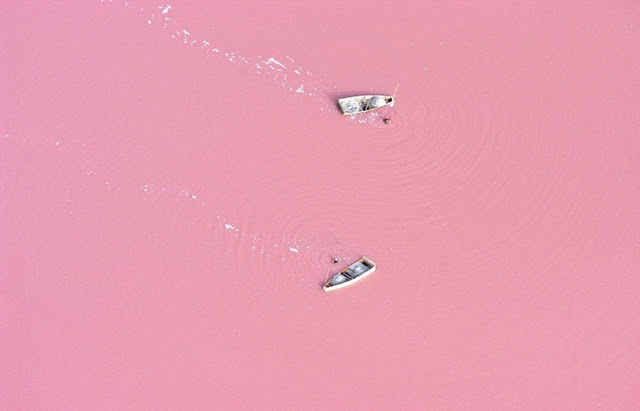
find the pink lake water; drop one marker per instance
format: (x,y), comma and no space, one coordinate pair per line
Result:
(175,179)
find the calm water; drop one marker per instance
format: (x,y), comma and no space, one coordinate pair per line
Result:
(175,180)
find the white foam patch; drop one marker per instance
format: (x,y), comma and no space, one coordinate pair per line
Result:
(274,61)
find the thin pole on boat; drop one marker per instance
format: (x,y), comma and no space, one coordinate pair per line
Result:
(326,278)
(333,259)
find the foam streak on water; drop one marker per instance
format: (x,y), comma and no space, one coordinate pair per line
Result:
(293,78)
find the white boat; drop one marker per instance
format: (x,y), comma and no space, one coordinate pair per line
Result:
(351,275)
(364,104)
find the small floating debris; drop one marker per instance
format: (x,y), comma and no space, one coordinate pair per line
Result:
(350,275)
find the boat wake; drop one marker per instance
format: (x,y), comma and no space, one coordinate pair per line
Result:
(282,71)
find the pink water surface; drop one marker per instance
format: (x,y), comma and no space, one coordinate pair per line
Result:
(174,182)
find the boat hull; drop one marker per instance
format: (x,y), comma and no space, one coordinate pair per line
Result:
(371,267)
(364,104)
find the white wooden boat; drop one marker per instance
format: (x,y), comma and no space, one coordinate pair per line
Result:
(364,104)
(351,275)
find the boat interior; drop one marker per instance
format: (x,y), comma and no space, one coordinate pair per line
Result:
(353,271)
(356,270)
